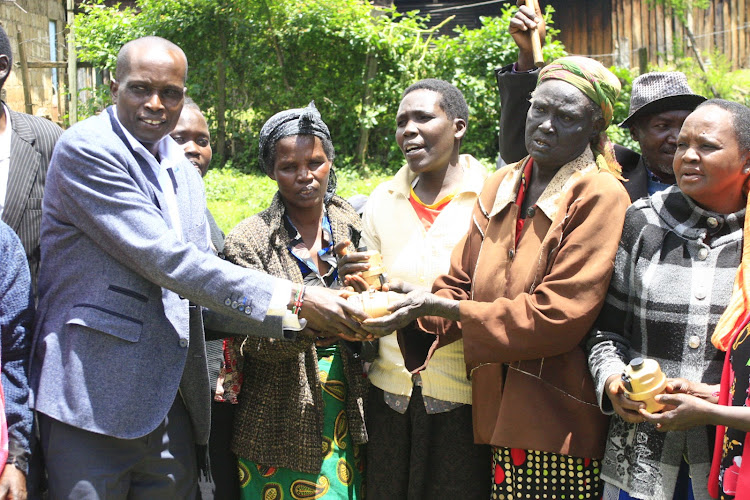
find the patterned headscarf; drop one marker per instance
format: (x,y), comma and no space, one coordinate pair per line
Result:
(598,84)
(298,121)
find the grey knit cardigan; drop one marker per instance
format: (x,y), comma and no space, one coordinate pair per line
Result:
(279,421)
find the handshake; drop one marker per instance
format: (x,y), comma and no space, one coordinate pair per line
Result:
(370,306)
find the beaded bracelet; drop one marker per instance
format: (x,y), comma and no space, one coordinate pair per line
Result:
(298,298)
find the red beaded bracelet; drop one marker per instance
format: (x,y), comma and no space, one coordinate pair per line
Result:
(298,298)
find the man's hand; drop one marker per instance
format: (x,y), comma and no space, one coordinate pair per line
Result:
(351,265)
(328,312)
(686,412)
(520,28)
(12,484)
(627,409)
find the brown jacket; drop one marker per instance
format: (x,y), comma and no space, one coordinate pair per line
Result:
(525,311)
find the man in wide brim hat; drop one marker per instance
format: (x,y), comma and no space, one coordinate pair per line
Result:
(659,103)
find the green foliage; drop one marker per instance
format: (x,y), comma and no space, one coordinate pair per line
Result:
(283,53)
(616,134)
(680,8)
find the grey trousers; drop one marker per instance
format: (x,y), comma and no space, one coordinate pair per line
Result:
(83,465)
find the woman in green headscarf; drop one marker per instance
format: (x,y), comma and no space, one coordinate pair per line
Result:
(525,286)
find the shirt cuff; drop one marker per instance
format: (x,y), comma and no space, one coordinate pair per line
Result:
(278,307)
(514,70)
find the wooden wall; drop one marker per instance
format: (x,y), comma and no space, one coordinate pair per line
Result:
(724,26)
(34,24)
(612,31)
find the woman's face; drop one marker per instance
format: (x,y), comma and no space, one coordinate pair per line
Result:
(425,134)
(709,165)
(300,170)
(559,124)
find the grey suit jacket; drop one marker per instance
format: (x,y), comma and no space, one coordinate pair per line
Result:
(117,333)
(31,145)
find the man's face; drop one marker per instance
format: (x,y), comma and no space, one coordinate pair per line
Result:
(149,97)
(657,134)
(192,134)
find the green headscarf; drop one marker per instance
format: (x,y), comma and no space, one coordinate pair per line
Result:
(598,84)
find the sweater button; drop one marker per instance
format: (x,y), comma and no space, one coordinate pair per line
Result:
(694,341)
(712,222)
(703,253)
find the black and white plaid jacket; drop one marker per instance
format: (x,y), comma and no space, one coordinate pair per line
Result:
(673,277)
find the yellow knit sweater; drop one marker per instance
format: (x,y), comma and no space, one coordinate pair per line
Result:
(391,226)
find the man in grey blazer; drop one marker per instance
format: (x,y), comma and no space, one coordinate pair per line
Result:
(25,150)
(118,368)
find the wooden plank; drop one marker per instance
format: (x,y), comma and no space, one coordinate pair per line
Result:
(659,25)
(734,35)
(726,26)
(744,33)
(47,64)
(637,34)
(627,17)
(647,31)
(25,79)
(668,40)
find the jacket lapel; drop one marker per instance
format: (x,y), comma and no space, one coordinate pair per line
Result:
(23,168)
(179,178)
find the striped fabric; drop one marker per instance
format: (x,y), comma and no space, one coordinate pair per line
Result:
(673,277)
(31,146)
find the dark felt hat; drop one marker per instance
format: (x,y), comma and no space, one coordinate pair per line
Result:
(658,92)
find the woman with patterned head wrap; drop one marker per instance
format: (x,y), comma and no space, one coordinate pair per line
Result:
(524,288)
(297,396)
(679,253)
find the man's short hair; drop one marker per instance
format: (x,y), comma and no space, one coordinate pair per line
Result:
(740,119)
(189,103)
(5,51)
(154,42)
(451,101)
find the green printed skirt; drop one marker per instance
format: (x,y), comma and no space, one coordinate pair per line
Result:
(343,464)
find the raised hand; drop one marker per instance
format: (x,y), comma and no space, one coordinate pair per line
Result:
(520,28)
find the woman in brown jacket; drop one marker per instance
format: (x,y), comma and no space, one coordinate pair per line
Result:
(525,286)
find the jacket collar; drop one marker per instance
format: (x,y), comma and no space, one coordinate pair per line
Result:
(473,179)
(689,221)
(549,201)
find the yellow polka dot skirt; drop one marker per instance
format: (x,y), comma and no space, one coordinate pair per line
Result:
(526,474)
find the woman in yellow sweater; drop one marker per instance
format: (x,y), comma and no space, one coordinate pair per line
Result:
(420,433)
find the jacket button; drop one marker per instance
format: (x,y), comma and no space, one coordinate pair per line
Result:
(530,212)
(712,222)
(183,342)
(700,293)
(694,341)
(235,304)
(511,254)
(703,253)
(227,302)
